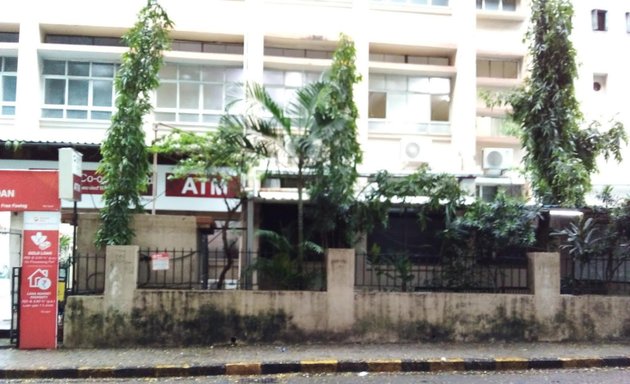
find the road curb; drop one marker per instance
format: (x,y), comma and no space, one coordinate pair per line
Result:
(318,366)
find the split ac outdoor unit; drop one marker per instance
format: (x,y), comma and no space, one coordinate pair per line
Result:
(415,151)
(497,158)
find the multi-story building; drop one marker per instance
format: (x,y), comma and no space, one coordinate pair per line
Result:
(425,64)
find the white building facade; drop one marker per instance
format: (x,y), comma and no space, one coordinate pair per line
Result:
(425,66)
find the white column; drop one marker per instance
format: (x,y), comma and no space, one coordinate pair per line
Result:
(463,106)
(362,45)
(254,44)
(28,99)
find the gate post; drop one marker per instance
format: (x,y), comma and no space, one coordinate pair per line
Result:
(121,277)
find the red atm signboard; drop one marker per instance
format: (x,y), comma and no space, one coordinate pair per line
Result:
(38,290)
(27,190)
(193,187)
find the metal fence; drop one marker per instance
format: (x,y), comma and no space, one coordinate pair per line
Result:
(597,276)
(399,272)
(88,274)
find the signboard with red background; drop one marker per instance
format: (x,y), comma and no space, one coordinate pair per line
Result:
(38,285)
(22,190)
(193,187)
(38,191)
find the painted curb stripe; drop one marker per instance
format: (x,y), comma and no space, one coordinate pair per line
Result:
(243,369)
(393,365)
(480,365)
(545,363)
(616,361)
(270,368)
(352,366)
(415,365)
(319,366)
(581,362)
(207,370)
(446,365)
(510,363)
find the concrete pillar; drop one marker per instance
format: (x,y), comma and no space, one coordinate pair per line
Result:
(340,289)
(544,282)
(121,277)
(464,103)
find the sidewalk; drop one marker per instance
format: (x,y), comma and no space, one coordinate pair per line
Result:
(315,358)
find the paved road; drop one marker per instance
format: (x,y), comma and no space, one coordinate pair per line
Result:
(572,376)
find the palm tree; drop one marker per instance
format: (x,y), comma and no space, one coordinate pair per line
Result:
(297,132)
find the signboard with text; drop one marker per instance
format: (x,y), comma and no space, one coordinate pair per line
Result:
(27,190)
(92,184)
(193,187)
(38,290)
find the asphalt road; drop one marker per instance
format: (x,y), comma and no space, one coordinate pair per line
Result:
(564,376)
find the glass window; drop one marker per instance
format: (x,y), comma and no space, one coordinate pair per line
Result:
(78,90)
(196,93)
(8,88)
(409,99)
(497,5)
(443,3)
(282,85)
(628,22)
(598,19)
(498,68)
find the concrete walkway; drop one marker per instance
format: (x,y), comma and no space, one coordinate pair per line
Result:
(312,358)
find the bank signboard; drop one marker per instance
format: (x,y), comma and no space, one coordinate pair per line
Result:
(28,190)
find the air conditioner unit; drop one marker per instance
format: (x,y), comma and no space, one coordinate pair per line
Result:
(415,151)
(497,158)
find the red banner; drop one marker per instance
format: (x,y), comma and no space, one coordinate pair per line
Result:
(28,190)
(92,184)
(38,291)
(192,187)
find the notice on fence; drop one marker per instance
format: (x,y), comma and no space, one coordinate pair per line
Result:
(160,261)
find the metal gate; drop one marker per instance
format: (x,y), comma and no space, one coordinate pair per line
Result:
(15,305)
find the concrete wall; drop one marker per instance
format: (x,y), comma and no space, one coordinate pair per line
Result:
(209,317)
(161,231)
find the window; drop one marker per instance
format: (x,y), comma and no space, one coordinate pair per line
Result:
(598,19)
(628,22)
(196,93)
(307,53)
(8,77)
(497,5)
(78,90)
(413,99)
(441,3)
(495,126)
(498,68)
(282,85)
(84,40)
(409,59)
(9,37)
(210,47)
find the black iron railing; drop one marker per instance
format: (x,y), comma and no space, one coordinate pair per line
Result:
(404,273)
(88,274)
(596,276)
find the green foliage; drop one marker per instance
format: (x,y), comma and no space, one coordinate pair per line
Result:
(441,191)
(498,228)
(582,240)
(560,157)
(125,166)
(335,168)
(284,270)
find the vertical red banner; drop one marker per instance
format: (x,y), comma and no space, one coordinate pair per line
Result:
(38,291)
